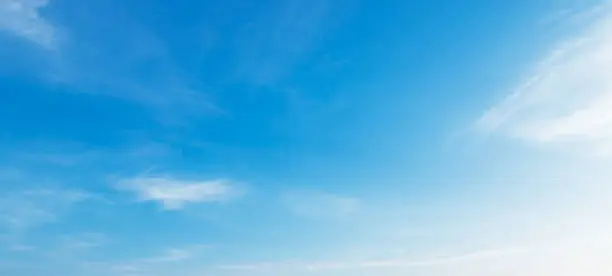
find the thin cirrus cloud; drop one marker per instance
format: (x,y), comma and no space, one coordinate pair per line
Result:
(280,38)
(163,263)
(320,205)
(92,65)
(581,259)
(82,241)
(400,262)
(22,210)
(22,18)
(568,99)
(175,194)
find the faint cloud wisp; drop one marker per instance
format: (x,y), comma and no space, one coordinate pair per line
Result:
(320,205)
(175,194)
(568,99)
(25,209)
(22,18)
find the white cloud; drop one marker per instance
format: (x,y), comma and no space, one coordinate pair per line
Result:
(320,205)
(22,18)
(174,193)
(583,259)
(568,99)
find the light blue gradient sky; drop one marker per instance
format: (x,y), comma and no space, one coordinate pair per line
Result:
(305,138)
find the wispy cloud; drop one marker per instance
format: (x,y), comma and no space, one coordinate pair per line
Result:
(378,263)
(173,193)
(73,154)
(531,261)
(127,62)
(82,241)
(25,209)
(176,254)
(568,99)
(162,263)
(22,18)
(279,38)
(320,205)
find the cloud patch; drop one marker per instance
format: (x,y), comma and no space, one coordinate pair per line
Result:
(22,18)
(567,100)
(174,194)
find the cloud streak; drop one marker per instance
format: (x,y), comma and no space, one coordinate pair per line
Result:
(163,263)
(128,61)
(26,209)
(568,99)
(82,241)
(583,259)
(380,264)
(21,212)
(281,37)
(175,194)
(22,18)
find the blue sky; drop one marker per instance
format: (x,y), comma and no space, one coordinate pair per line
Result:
(305,137)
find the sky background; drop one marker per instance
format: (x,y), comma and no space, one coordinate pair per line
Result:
(305,138)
